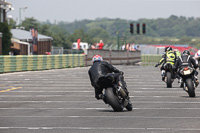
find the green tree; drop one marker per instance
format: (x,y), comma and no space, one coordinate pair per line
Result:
(29,23)
(60,36)
(44,29)
(99,34)
(12,23)
(6,38)
(80,34)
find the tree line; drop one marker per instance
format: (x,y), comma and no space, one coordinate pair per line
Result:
(172,30)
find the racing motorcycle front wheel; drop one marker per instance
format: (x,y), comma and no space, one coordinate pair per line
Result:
(169,80)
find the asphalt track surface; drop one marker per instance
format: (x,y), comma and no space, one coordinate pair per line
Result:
(62,101)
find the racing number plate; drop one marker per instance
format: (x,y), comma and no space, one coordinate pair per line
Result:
(186,72)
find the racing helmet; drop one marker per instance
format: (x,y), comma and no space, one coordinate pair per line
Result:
(168,49)
(198,53)
(186,52)
(97,58)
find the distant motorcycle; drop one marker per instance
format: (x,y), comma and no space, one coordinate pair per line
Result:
(116,96)
(169,74)
(188,84)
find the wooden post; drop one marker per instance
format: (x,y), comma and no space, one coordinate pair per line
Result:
(85,60)
(127,56)
(110,54)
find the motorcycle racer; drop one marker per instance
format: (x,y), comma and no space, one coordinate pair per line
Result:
(197,57)
(167,57)
(101,69)
(186,59)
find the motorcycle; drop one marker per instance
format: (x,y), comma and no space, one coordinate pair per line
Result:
(188,84)
(169,74)
(116,95)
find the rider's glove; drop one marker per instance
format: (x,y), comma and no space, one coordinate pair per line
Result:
(156,65)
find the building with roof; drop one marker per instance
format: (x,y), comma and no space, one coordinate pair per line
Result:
(22,41)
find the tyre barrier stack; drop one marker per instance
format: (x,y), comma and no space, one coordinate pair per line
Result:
(40,62)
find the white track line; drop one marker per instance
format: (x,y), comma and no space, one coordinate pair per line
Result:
(137,117)
(91,96)
(95,101)
(104,128)
(157,92)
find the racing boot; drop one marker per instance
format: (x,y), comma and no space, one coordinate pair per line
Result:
(99,96)
(104,99)
(185,88)
(196,81)
(163,75)
(180,81)
(129,105)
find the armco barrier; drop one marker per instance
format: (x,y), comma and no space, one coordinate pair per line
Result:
(40,62)
(150,59)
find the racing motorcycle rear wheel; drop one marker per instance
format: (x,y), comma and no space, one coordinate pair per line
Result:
(113,100)
(190,86)
(169,80)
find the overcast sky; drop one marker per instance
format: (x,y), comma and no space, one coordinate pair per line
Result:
(70,10)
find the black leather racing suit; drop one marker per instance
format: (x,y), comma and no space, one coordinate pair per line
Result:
(98,71)
(185,60)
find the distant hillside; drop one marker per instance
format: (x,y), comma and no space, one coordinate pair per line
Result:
(173,26)
(116,32)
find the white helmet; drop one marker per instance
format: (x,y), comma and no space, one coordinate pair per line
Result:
(197,55)
(97,58)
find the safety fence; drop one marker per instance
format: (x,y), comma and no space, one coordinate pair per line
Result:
(150,59)
(44,62)
(40,62)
